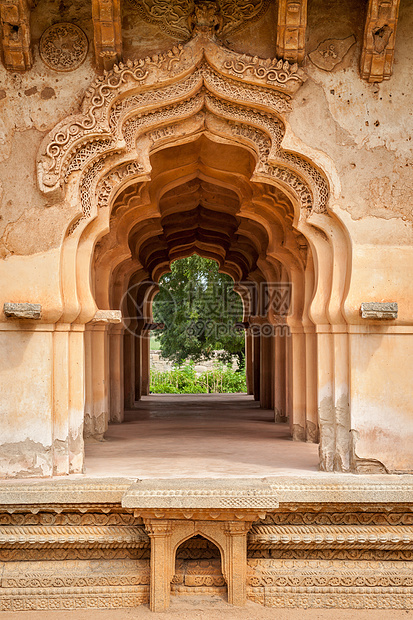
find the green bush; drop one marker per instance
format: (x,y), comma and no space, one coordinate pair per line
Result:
(184,380)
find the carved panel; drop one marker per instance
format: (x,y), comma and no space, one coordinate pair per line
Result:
(317,583)
(107,32)
(376,62)
(74,585)
(291,29)
(332,536)
(177,18)
(63,47)
(15,33)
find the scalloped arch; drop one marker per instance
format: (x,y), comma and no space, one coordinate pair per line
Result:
(140,107)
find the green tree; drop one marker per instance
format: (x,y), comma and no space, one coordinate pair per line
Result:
(199,308)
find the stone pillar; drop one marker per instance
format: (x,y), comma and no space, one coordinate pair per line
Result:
(311,425)
(266,367)
(288,378)
(61,398)
(342,402)
(325,394)
(129,368)
(280,375)
(256,363)
(76,398)
(236,561)
(298,385)
(116,374)
(146,345)
(249,366)
(138,366)
(160,531)
(41,399)
(97,382)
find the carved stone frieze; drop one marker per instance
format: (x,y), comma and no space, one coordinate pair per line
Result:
(319,583)
(52,536)
(107,25)
(291,29)
(15,34)
(332,554)
(204,494)
(312,555)
(376,62)
(335,517)
(63,47)
(179,18)
(74,585)
(94,600)
(332,536)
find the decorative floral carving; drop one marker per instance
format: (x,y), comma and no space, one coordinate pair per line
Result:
(114,178)
(176,18)
(63,47)
(341,518)
(380,537)
(117,111)
(273,71)
(103,104)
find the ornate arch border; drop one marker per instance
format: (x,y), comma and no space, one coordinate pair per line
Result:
(131,111)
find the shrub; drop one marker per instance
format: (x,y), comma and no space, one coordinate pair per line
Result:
(184,380)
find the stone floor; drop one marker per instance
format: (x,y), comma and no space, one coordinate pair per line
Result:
(206,608)
(203,435)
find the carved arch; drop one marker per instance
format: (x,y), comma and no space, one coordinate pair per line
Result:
(128,110)
(101,160)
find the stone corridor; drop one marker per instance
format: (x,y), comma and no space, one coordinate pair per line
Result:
(202,435)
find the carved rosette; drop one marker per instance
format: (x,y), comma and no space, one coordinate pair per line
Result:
(63,47)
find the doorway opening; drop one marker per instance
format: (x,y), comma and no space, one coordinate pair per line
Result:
(198,338)
(198,569)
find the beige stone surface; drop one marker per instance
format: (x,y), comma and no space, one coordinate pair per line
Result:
(207,608)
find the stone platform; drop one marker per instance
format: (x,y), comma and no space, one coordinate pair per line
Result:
(324,540)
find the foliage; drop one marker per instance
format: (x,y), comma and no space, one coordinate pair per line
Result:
(184,380)
(199,308)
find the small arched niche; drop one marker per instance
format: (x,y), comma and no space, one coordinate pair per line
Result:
(198,569)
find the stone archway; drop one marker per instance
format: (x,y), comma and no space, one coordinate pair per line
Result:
(110,163)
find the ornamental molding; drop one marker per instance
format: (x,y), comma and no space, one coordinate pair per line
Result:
(36,537)
(332,536)
(138,107)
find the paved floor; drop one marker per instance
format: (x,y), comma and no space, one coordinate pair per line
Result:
(203,608)
(199,436)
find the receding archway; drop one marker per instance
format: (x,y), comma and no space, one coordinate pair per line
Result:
(163,166)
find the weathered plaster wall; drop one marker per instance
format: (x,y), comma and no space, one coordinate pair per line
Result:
(367,129)
(26,370)
(381,407)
